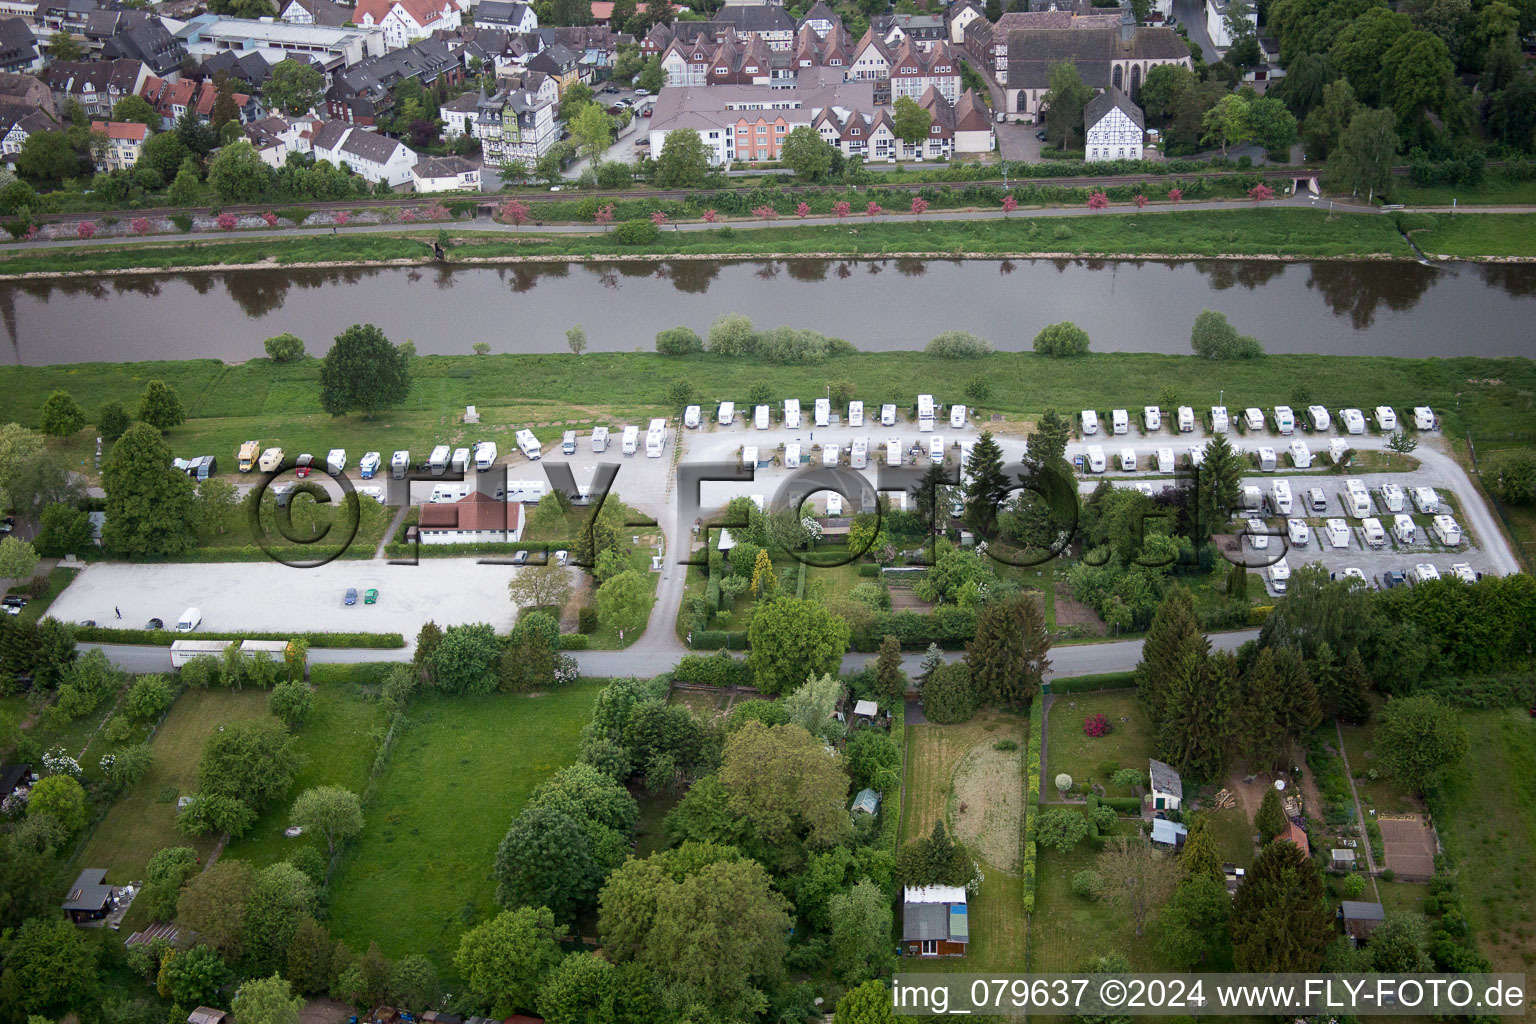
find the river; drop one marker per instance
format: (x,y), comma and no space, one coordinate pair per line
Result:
(1352,308)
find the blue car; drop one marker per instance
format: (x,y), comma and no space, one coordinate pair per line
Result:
(351,597)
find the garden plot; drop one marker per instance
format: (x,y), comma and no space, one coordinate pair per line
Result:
(985,804)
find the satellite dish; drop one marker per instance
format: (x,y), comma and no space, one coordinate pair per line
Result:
(1280,785)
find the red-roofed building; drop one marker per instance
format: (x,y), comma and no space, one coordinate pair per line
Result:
(406,21)
(1296,834)
(173,99)
(125,140)
(474,519)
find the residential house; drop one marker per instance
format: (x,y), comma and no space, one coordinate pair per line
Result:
(935,921)
(250,68)
(90,898)
(364,93)
(1360,919)
(868,134)
(515,124)
(507,15)
(207,1015)
(275,137)
(64,16)
(1105,58)
(871,59)
(988,41)
(18,47)
(15,779)
(1113,127)
(770,21)
(173,99)
(125,140)
(1295,833)
(958,16)
(1169,833)
(973,125)
(316,12)
(474,519)
(95,85)
(26,10)
(925,31)
(369,154)
(657,40)
(329,46)
(20,95)
(406,21)
(135,35)
(914,71)
(1216,27)
(559,62)
(445,174)
(17,130)
(1167,788)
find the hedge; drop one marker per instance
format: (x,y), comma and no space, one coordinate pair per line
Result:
(1087,684)
(720,639)
(1032,797)
(890,800)
(408,550)
(1258,613)
(1095,837)
(869,569)
(718,669)
(1128,805)
(166,637)
(362,673)
(948,626)
(1482,692)
(575,642)
(712,595)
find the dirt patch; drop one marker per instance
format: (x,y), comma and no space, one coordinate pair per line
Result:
(985,805)
(904,600)
(325,1011)
(1409,842)
(1070,612)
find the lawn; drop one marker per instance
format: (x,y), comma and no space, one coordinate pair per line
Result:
(1476,234)
(1380,794)
(1233,834)
(1069,749)
(1494,192)
(420,874)
(58,579)
(933,754)
(143,820)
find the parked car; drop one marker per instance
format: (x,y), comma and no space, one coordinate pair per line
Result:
(642,143)
(1393,578)
(14,603)
(302,467)
(520,558)
(350,597)
(371,595)
(642,92)
(648,111)
(562,557)
(7,525)
(155,624)
(1040,135)
(86,622)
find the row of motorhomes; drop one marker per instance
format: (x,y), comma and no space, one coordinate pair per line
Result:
(1283,418)
(1279,575)
(857,453)
(821,412)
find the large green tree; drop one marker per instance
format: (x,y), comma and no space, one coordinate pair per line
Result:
(624,601)
(61,415)
(791,639)
(1418,738)
(252,762)
(505,960)
(861,933)
(1280,921)
(213,904)
(60,797)
(1008,656)
(238,175)
(1367,148)
(160,406)
(987,487)
(683,161)
(332,812)
(1064,106)
(588,989)
(281,897)
(780,782)
(267,1001)
(910,121)
(293,87)
(150,506)
(363,372)
(806,153)
(49,968)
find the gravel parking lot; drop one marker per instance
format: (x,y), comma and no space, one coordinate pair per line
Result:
(267,597)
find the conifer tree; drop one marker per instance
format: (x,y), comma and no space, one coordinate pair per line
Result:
(1270,819)
(1195,730)
(988,487)
(765,582)
(1261,727)
(1354,690)
(1220,481)
(1007,657)
(1174,631)
(890,680)
(1279,920)
(1199,855)
(1327,678)
(933,657)
(1300,710)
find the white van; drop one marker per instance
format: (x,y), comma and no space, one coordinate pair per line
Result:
(1253,418)
(1301,455)
(369,465)
(925,413)
(792,413)
(599,439)
(486,453)
(858,455)
(1446,530)
(726,413)
(1090,422)
(1165,462)
(1338,533)
(568,442)
(829,455)
(1127,460)
(1317,501)
(1424,419)
(936,449)
(631,440)
(1119,421)
(957,417)
(1258,534)
(893,452)
(1280,494)
(888,414)
(855,414)
(1152,417)
(1285,420)
(528,444)
(691,417)
(1318,414)
(437,462)
(1386,419)
(1253,501)
(1356,498)
(1267,460)
(1423,573)
(1375,536)
(792,453)
(400,464)
(460,461)
(336,460)
(1404,530)
(189,621)
(761,417)
(1219,419)
(1392,497)
(1279,576)
(1299,532)
(1095,459)
(1186,419)
(1426,500)
(1354,421)
(823,412)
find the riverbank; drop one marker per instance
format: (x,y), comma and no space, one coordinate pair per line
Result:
(1291,233)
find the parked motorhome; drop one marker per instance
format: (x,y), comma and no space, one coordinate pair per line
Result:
(1280,494)
(726,413)
(1196,456)
(599,439)
(1285,420)
(1338,448)
(823,412)
(368,465)
(855,414)
(1128,460)
(1317,501)
(527,492)
(1267,460)
(528,444)
(1095,459)
(1463,572)
(1119,421)
(658,423)
(792,414)
(936,449)
(924,413)
(749,455)
(829,455)
(1371,529)
(1423,417)
(336,461)
(1090,422)
(1338,533)
(1253,418)
(1426,500)
(271,460)
(400,464)
(1152,418)
(630,440)
(1219,419)
(691,417)
(249,451)
(1392,497)
(1279,576)
(893,452)
(655,441)
(1318,414)
(1301,455)
(1354,421)
(1253,501)
(1446,530)
(1356,498)
(858,455)
(1423,573)
(437,462)
(1186,419)
(1386,419)
(888,414)
(1165,460)
(1298,531)
(792,454)
(460,460)
(1404,529)
(1258,534)
(957,417)
(834,503)
(486,453)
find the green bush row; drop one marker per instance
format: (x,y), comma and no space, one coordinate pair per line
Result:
(1122,804)
(408,550)
(718,669)
(720,639)
(166,637)
(1032,797)
(868,569)
(575,642)
(1087,684)
(890,800)
(362,673)
(1516,690)
(1095,837)
(948,626)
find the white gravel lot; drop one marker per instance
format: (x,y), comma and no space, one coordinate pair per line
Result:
(266,596)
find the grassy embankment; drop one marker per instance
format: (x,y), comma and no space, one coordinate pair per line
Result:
(1497,192)
(1294,233)
(1474,235)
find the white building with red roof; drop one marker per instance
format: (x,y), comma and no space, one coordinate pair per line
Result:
(406,21)
(125,140)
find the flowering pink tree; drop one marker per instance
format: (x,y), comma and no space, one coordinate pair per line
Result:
(1175,195)
(604,214)
(1141,200)
(1097,724)
(31,232)
(85,229)
(802,209)
(765,212)
(437,211)
(659,218)
(342,218)
(227,221)
(1261,193)
(1097,200)
(270,218)
(140,225)
(873,209)
(1010,204)
(408,216)
(710,216)
(841,209)
(919,205)
(514,212)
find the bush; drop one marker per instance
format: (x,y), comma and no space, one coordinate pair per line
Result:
(868,569)
(284,348)
(586,619)
(958,345)
(1005,745)
(679,341)
(1088,885)
(575,642)
(1097,724)
(1063,339)
(949,696)
(636,232)
(718,669)
(148,697)
(1351,886)
(1214,338)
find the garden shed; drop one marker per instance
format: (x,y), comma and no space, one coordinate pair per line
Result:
(1167,787)
(1360,919)
(867,801)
